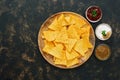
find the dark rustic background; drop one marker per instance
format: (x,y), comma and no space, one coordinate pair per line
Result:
(20,59)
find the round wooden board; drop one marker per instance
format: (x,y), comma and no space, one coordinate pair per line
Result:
(47,57)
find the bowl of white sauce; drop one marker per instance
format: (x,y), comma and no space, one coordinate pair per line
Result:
(103,31)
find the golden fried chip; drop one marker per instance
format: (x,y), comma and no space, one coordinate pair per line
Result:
(72,33)
(80,47)
(71,55)
(56,51)
(50,35)
(78,21)
(87,43)
(85,30)
(47,46)
(62,61)
(62,36)
(70,44)
(85,37)
(72,62)
(62,21)
(54,25)
(70,20)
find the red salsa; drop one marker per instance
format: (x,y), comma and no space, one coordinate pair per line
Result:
(94,13)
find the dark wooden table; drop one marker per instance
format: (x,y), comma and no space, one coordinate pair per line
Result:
(20,59)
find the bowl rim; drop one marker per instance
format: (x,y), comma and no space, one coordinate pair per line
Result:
(39,33)
(92,20)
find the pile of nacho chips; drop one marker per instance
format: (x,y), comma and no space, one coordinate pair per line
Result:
(67,39)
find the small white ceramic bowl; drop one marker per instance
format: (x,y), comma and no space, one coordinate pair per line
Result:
(103,27)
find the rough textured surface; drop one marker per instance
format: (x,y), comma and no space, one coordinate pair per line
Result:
(20,58)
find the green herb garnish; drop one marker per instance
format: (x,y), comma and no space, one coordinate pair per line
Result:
(94,13)
(104,33)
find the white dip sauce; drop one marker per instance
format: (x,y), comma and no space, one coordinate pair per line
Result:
(101,28)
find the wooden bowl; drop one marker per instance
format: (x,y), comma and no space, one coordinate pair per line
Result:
(47,57)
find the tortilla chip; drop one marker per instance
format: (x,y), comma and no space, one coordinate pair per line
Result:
(70,44)
(87,42)
(56,51)
(80,47)
(62,36)
(62,21)
(50,35)
(71,55)
(72,62)
(85,30)
(62,61)
(86,35)
(70,20)
(54,25)
(72,33)
(47,46)
(78,21)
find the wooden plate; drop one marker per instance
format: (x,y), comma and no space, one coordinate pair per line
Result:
(47,57)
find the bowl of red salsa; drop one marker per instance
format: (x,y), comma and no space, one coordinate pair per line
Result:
(93,14)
